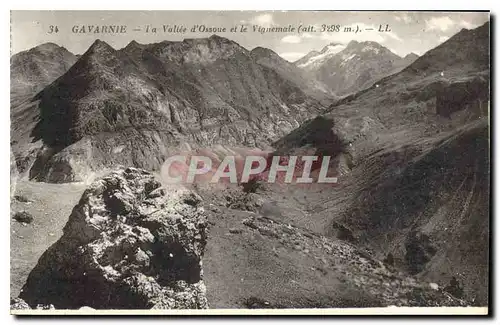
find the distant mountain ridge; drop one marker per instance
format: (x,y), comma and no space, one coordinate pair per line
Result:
(36,68)
(315,59)
(349,68)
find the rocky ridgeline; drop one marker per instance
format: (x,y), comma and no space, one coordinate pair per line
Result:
(128,244)
(36,68)
(354,266)
(349,68)
(134,106)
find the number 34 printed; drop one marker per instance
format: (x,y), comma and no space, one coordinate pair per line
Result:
(53,29)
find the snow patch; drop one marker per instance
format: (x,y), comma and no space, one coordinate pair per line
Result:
(370,48)
(325,54)
(346,58)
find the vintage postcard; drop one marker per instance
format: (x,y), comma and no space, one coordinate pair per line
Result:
(250,162)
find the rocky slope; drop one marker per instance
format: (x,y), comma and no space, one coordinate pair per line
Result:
(142,100)
(256,258)
(411,153)
(36,68)
(349,68)
(430,209)
(418,182)
(128,244)
(444,89)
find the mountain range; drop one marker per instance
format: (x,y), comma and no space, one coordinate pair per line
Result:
(153,97)
(157,96)
(409,139)
(416,186)
(348,68)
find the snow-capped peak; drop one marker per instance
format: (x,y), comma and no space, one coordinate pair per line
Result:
(317,59)
(370,48)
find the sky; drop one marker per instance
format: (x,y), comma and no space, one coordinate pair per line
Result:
(407,32)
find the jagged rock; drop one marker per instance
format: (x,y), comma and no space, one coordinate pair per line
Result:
(434,286)
(245,201)
(343,232)
(68,165)
(235,230)
(18,304)
(253,185)
(23,216)
(268,232)
(45,307)
(419,251)
(454,288)
(126,245)
(250,222)
(389,260)
(21,198)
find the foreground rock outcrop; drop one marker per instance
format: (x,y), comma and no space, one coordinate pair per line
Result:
(128,244)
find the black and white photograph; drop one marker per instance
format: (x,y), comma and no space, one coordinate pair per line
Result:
(249,162)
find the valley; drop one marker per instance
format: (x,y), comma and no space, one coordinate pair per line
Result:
(408,137)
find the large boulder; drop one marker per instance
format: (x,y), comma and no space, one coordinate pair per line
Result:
(128,244)
(72,164)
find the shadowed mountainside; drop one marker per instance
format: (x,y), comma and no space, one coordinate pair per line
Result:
(418,184)
(142,100)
